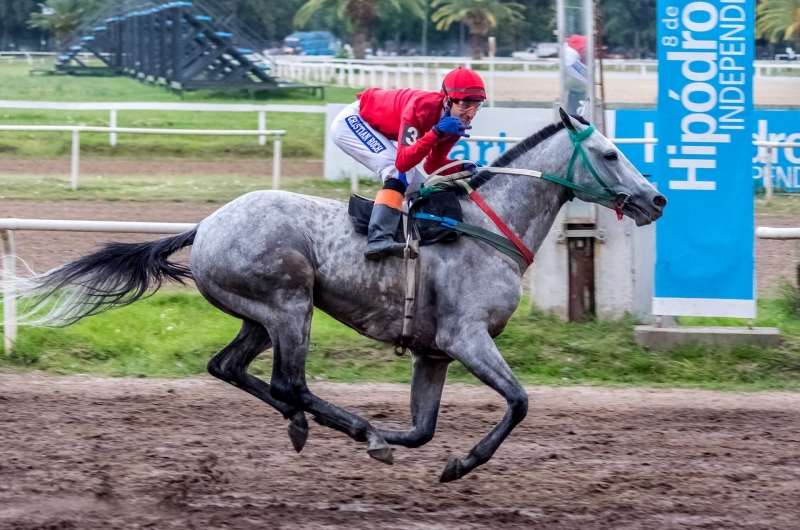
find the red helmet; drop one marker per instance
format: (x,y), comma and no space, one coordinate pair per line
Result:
(463,83)
(578,43)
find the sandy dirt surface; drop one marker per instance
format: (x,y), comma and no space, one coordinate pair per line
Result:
(166,166)
(45,250)
(89,453)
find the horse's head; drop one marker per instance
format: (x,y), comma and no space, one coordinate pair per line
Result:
(603,175)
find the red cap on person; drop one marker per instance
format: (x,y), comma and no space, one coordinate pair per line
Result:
(578,43)
(463,83)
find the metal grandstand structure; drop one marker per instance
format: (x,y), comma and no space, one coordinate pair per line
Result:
(180,45)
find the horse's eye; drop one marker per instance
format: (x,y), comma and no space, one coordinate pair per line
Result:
(611,155)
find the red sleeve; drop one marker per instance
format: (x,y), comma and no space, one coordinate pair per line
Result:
(411,147)
(438,156)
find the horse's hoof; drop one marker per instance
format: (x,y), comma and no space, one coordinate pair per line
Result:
(382,454)
(452,471)
(298,436)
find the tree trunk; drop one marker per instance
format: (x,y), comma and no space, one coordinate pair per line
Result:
(476,44)
(360,42)
(361,13)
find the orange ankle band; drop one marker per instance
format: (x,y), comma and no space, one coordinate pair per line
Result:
(391,198)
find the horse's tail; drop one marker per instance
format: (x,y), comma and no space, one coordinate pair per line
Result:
(115,276)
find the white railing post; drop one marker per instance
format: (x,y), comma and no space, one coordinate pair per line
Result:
(385,77)
(768,176)
(262,125)
(492,50)
(76,156)
(9,298)
(112,122)
(276,163)
(354,182)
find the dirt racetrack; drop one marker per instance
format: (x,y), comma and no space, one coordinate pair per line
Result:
(90,453)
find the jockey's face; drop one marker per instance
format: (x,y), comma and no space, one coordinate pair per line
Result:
(465,110)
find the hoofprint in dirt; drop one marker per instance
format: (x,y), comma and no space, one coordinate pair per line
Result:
(91,453)
(45,250)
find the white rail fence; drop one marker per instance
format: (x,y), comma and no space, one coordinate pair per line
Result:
(765,232)
(77,129)
(390,72)
(8,226)
(115,108)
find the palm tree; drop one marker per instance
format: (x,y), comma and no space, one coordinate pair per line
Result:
(778,20)
(479,15)
(360,14)
(61,17)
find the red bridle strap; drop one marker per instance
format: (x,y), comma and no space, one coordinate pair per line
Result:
(502,226)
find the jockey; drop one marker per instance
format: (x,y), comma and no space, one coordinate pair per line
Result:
(426,125)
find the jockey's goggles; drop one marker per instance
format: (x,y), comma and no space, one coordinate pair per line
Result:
(466,104)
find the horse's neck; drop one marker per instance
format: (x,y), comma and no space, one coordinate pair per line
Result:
(529,205)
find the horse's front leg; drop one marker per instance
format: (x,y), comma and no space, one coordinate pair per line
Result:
(426,394)
(478,353)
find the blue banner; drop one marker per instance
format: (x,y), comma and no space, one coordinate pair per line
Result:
(777,126)
(769,125)
(704,243)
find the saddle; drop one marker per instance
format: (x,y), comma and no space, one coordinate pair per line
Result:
(426,232)
(432,218)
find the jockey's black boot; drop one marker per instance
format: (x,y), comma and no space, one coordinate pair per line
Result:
(383,222)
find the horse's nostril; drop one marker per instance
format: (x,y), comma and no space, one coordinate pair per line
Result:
(660,201)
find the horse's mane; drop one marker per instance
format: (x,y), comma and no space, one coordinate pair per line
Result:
(512,154)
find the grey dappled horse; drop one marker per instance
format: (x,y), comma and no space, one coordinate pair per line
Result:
(270,257)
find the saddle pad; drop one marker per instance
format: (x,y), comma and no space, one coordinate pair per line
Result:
(444,204)
(360,209)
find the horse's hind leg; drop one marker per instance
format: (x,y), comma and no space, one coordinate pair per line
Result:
(426,394)
(290,330)
(231,364)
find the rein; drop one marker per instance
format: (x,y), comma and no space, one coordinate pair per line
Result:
(568,182)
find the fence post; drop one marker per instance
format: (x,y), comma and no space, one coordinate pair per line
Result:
(354,182)
(276,163)
(768,176)
(262,126)
(76,155)
(112,122)
(9,298)
(492,48)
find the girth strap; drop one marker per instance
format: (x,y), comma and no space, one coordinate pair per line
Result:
(496,241)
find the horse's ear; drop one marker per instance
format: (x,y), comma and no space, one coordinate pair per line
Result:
(585,109)
(567,120)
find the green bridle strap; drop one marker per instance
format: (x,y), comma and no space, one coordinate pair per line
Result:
(569,182)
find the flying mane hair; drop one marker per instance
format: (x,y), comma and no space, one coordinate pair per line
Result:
(512,154)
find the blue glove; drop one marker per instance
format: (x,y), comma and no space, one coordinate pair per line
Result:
(471,166)
(450,125)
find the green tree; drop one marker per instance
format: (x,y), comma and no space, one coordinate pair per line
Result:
(629,23)
(778,20)
(62,17)
(480,16)
(13,15)
(360,15)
